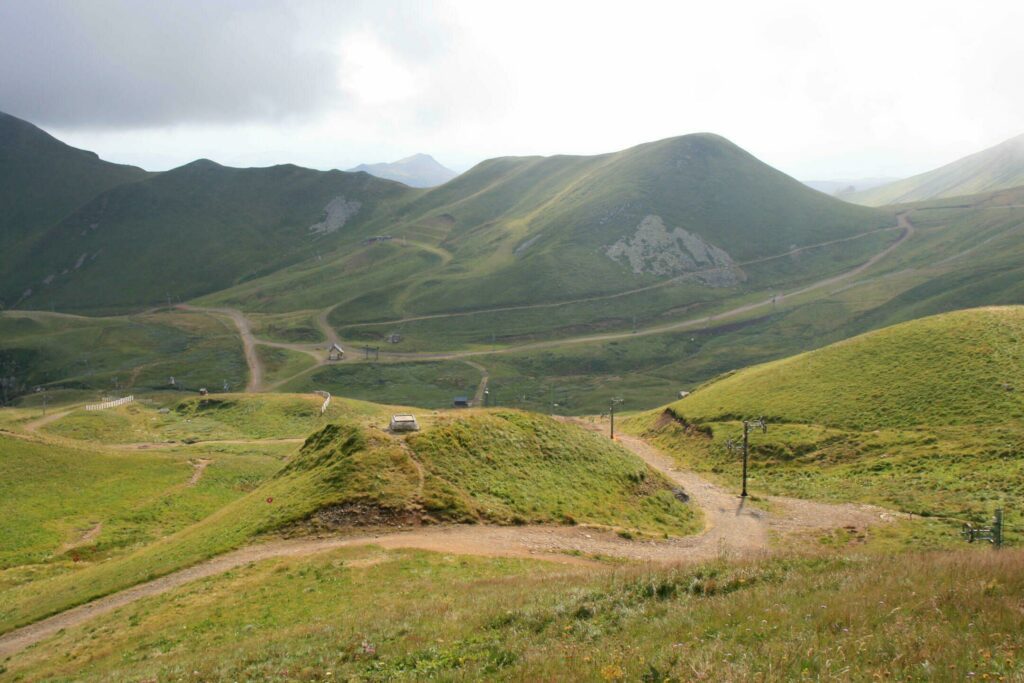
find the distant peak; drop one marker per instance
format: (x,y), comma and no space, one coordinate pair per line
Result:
(202,163)
(418,170)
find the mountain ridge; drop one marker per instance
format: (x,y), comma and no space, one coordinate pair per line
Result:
(998,167)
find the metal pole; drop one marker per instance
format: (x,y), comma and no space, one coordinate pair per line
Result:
(611,413)
(997,529)
(746,454)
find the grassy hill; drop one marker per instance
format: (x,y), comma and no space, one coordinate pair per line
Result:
(995,168)
(42,180)
(926,417)
(193,230)
(502,467)
(962,368)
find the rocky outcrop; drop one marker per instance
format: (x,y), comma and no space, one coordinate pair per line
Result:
(656,250)
(335,215)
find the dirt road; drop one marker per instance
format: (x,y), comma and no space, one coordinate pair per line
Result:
(40,422)
(605,297)
(732,529)
(249,341)
(252,359)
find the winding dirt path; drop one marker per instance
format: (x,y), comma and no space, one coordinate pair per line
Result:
(256,369)
(617,295)
(692,323)
(252,358)
(733,528)
(198,468)
(35,425)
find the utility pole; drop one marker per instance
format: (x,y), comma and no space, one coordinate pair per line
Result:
(611,414)
(733,446)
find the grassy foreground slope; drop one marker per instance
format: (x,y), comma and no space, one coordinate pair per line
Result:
(858,616)
(926,417)
(89,501)
(503,467)
(995,168)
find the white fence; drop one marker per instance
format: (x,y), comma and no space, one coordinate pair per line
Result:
(110,404)
(327,400)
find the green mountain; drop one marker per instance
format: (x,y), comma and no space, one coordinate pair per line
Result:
(995,168)
(42,180)
(694,211)
(190,231)
(419,170)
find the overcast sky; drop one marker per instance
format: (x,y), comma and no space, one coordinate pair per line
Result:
(818,89)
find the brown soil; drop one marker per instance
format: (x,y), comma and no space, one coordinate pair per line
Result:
(198,467)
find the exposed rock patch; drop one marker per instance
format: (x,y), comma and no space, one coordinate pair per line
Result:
(654,249)
(521,249)
(337,212)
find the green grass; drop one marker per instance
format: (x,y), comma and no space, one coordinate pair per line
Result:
(963,368)
(297,327)
(58,492)
(280,364)
(210,418)
(855,616)
(514,467)
(523,467)
(429,384)
(121,354)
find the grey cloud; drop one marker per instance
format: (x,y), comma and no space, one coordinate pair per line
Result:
(143,63)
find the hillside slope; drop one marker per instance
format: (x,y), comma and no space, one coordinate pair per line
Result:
(192,230)
(419,170)
(995,168)
(42,180)
(926,417)
(965,367)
